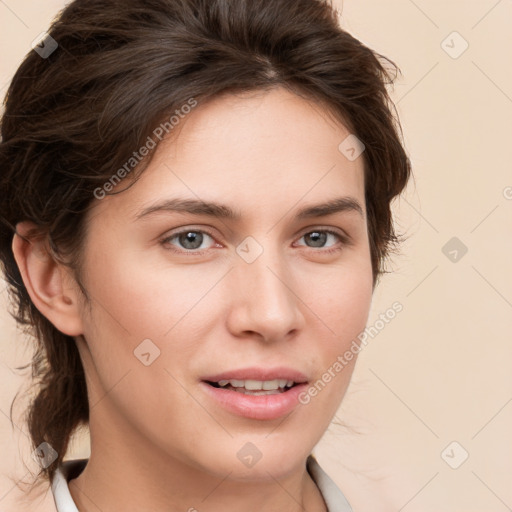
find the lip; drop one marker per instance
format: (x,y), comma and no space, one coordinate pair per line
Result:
(259,373)
(257,407)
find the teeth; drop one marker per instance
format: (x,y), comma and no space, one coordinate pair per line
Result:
(256,385)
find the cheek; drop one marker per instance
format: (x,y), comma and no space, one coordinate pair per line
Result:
(134,301)
(340,303)
(138,352)
(146,298)
(353,305)
(340,308)
(341,297)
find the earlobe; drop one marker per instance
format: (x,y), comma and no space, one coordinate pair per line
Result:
(48,282)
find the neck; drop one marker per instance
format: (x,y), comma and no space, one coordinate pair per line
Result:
(101,489)
(126,473)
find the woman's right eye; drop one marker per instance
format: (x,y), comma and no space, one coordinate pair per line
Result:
(190,240)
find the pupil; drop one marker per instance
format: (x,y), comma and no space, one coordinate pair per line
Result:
(191,240)
(318,238)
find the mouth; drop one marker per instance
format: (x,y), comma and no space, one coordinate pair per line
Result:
(255,387)
(257,392)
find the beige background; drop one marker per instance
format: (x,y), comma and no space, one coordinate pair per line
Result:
(441,370)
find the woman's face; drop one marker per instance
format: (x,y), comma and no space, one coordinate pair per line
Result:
(266,289)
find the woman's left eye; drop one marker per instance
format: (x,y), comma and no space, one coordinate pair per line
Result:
(319,237)
(191,240)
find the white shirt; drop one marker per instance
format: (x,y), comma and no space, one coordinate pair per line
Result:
(332,495)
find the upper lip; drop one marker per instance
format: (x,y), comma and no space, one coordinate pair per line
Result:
(259,373)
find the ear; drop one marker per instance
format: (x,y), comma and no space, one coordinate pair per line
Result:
(50,284)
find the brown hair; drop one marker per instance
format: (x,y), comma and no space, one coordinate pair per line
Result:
(75,116)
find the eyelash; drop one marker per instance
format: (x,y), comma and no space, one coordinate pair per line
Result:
(345,241)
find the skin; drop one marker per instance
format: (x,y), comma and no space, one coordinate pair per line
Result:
(158,442)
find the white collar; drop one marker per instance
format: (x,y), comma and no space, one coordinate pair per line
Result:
(332,495)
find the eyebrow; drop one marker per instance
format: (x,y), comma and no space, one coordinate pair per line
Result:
(222,211)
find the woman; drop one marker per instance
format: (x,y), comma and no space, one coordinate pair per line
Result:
(196,211)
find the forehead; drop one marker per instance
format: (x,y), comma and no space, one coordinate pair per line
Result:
(266,150)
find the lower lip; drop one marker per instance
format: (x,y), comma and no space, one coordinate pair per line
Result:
(256,407)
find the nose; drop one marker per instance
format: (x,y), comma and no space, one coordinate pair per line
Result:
(264,302)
